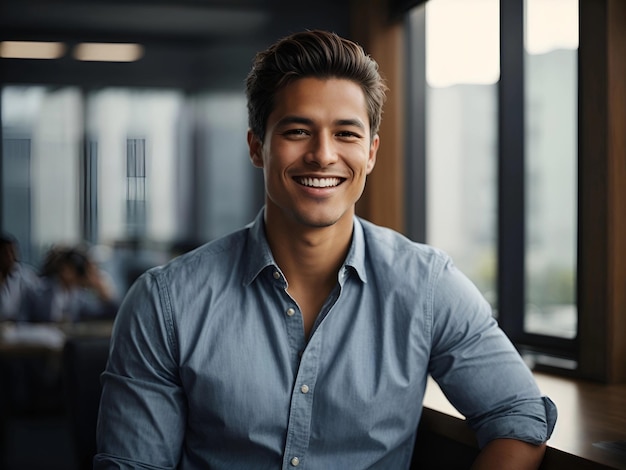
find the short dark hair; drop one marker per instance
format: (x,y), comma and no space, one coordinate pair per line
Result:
(7,239)
(318,54)
(58,257)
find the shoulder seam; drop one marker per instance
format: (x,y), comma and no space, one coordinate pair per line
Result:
(440,261)
(166,304)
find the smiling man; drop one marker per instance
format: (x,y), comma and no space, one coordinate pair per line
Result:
(306,338)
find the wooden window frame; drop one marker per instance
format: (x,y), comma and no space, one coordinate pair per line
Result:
(601,260)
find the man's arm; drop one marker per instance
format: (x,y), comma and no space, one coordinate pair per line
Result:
(509,454)
(484,377)
(143,411)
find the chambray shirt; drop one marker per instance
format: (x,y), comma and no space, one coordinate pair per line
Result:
(209,367)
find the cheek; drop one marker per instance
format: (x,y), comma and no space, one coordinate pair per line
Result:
(272,173)
(363,164)
(282,158)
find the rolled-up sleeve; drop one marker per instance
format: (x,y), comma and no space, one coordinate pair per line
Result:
(479,369)
(143,411)
(531,421)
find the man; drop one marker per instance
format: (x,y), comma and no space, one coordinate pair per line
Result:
(306,339)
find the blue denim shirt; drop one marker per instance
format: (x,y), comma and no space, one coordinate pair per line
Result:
(209,367)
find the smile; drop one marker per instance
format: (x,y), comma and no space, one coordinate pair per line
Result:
(319,182)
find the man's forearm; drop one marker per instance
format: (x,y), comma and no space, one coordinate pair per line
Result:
(509,454)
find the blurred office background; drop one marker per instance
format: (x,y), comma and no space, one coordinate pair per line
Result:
(123,126)
(143,154)
(139,156)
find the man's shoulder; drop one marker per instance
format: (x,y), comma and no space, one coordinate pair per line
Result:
(387,242)
(220,253)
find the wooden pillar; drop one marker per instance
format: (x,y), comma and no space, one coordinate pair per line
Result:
(383,199)
(602,190)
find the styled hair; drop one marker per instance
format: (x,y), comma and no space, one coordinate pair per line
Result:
(317,54)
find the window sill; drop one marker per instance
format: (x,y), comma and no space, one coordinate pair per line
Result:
(589,432)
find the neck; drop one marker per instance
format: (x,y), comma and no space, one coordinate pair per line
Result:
(310,258)
(311,255)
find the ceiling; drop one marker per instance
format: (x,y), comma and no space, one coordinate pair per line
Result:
(188,43)
(200,19)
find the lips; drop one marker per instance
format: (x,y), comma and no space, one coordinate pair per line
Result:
(319,182)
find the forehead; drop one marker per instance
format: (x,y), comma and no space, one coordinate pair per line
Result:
(320,98)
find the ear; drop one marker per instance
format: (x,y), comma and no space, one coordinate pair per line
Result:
(255,148)
(371,160)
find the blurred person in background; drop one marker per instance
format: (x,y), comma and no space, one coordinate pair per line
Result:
(17,280)
(73,288)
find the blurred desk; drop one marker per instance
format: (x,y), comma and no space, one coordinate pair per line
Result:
(39,384)
(88,329)
(47,338)
(31,362)
(590,432)
(23,339)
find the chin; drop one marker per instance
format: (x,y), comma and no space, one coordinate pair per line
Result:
(320,221)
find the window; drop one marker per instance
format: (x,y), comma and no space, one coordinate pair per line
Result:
(462,70)
(137,132)
(500,156)
(139,174)
(42,131)
(135,187)
(550,90)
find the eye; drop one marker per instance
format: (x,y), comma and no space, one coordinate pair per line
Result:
(348,135)
(296,133)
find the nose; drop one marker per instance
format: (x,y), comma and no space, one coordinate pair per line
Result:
(323,151)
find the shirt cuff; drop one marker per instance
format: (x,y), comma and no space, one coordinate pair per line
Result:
(532,423)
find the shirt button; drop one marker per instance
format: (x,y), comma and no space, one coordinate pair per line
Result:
(304,389)
(295,461)
(276,275)
(290,312)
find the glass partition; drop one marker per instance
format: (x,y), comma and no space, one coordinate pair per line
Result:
(42,130)
(140,175)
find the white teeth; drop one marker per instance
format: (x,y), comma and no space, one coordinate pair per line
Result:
(320,182)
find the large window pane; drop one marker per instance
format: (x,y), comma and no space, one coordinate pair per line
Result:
(141,174)
(172,172)
(551,42)
(230,189)
(134,141)
(42,131)
(135,135)
(462,69)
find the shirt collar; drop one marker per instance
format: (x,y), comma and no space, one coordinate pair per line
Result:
(257,250)
(259,255)
(356,254)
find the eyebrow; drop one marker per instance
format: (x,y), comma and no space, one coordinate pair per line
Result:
(294,120)
(309,122)
(350,122)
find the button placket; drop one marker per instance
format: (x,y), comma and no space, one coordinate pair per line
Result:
(301,408)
